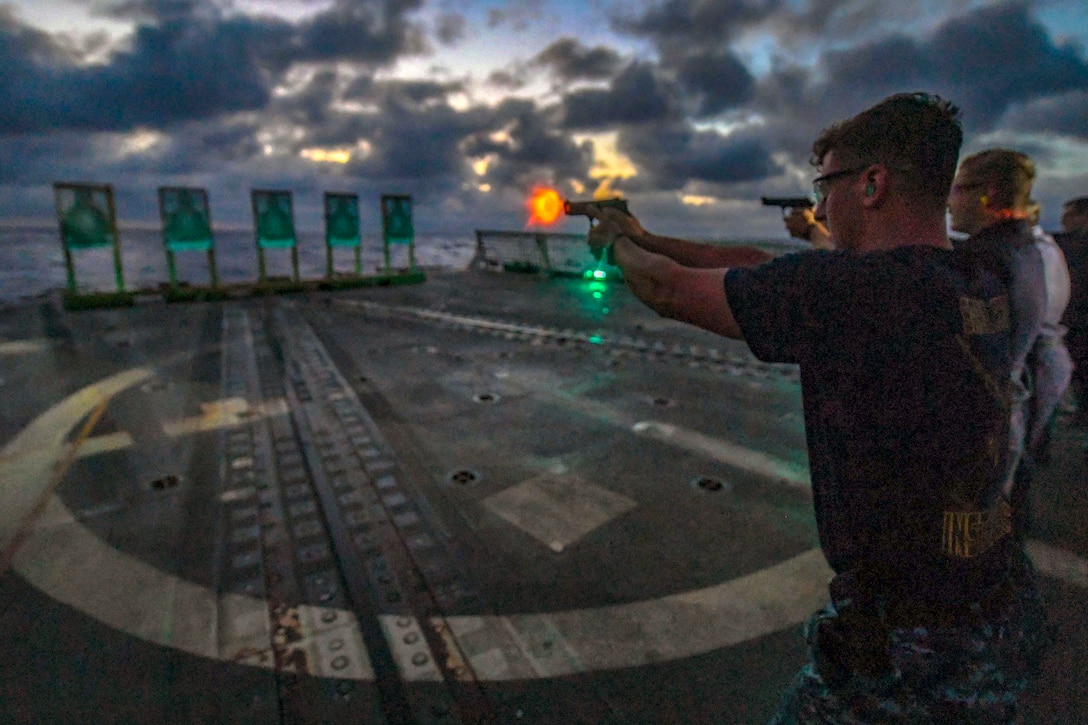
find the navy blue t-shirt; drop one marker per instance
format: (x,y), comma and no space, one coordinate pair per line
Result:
(904,360)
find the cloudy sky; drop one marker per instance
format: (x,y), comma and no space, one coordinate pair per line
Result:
(691,109)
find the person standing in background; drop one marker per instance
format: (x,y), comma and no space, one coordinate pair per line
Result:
(1073,241)
(990,201)
(1049,362)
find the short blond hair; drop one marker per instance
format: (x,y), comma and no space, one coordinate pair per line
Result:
(1035,211)
(1010,174)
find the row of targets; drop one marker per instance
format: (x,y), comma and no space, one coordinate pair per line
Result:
(88,219)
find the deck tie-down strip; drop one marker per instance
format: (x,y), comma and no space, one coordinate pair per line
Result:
(691,355)
(272,554)
(390,553)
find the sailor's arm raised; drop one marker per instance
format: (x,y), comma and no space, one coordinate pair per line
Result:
(689,294)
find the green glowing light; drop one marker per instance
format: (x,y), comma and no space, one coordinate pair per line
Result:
(600,274)
(596,339)
(596,295)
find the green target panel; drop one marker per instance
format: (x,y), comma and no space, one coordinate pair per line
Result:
(88,220)
(342,220)
(342,229)
(274,219)
(186,227)
(186,219)
(397,227)
(86,215)
(397,219)
(274,227)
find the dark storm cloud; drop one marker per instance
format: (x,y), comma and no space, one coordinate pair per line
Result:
(367,31)
(450,28)
(22,49)
(208,148)
(692,38)
(694,20)
(685,23)
(674,155)
(635,96)
(718,79)
(409,140)
(506,79)
(1065,114)
(360,88)
(186,62)
(394,110)
(365,88)
(421,92)
(204,146)
(373,31)
(570,60)
(177,71)
(528,139)
(998,56)
(850,21)
(310,104)
(41,158)
(985,62)
(153,10)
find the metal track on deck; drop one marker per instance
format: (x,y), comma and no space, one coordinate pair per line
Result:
(341,574)
(692,356)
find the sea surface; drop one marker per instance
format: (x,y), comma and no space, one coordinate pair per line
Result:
(32,259)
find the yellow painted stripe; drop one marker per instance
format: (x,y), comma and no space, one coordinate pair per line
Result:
(1058,563)
(21,347)
(105,444)
(226,413)
(718,449)
(29,520)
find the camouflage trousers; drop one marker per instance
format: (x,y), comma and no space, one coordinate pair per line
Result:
(969,673)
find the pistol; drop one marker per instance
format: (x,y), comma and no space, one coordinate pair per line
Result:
(581,208)
(787,202)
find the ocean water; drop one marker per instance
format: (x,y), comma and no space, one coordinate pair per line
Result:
(32,259)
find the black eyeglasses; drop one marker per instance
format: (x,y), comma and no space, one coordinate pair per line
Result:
(821,184)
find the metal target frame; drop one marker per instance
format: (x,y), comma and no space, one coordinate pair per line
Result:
(94,226)
(173,246)
(332,240)
(262,243)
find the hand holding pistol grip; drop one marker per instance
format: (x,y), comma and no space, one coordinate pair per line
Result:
(581,208)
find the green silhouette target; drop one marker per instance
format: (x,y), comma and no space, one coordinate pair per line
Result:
(342,220)
(397,219)
(274,226)
(186,220)
(85,219)
(88,220)
(274,218)
(186,227)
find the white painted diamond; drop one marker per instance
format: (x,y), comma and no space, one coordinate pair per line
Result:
(558,509)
